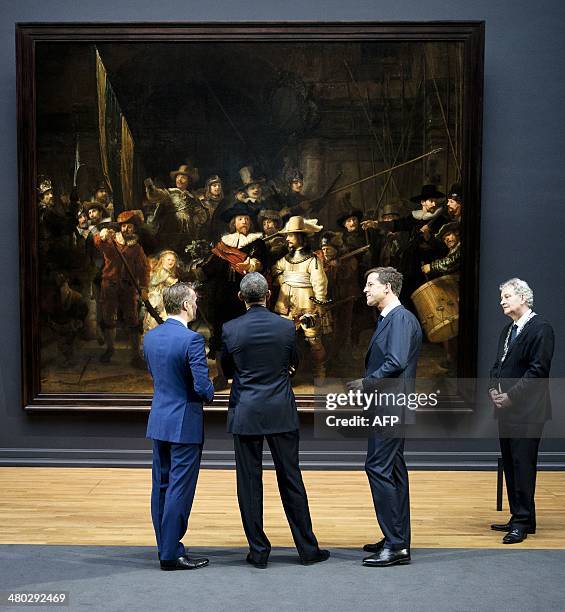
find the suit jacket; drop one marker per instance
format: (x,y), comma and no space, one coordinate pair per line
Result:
(392,357)
(176,360)
(257,350)
(524,374)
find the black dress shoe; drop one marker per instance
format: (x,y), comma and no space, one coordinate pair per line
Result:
(374,548)
(515,536)
(257,564)
(323,555)
(387,557)
(508,527)
(502,526)
(183,563)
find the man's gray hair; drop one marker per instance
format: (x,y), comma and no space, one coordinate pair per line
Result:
(522,288)
(388,275)
(175,295)
(253,287)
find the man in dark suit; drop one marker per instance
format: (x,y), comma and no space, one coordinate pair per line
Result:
(176,360)
(390,366)
(520,393)
(259,353)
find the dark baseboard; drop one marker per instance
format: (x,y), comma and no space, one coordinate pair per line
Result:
(309,460)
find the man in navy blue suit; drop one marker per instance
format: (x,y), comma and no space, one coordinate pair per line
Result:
(390,366)
(259,353)
(176,360)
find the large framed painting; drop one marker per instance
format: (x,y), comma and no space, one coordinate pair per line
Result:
(156,153)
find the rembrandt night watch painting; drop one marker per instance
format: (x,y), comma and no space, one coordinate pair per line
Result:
(156,153)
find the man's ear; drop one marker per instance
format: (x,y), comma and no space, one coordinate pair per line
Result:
(268,295)
(240,296)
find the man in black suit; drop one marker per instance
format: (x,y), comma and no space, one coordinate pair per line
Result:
(259,353)
(390,367)
(520,393)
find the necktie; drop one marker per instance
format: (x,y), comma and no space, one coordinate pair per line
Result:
(379,321)
(513,333)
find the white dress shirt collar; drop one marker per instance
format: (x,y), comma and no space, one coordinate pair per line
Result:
(390,307)
(523,320)
(177,318)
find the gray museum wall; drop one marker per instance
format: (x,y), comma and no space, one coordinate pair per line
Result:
(521,227)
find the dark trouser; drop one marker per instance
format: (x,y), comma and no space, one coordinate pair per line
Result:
(249,469)
(175,473)
(519,459)
(388,479)
(118,295)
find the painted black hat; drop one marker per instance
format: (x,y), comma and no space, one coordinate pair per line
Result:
(349,213)
(429,192)
(448,228)
(240,208)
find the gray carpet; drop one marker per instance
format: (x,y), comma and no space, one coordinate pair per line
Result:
(120,578)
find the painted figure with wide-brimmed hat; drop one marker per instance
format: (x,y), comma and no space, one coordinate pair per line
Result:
(237,253)
(422,226)
(117,292)
(428,192)
(394,243)
(179,217)
(367,244)
(304,288)
(185,175)
(350,219)
(449,263)
(354,237)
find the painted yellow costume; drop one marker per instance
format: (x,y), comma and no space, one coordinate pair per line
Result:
(303,291)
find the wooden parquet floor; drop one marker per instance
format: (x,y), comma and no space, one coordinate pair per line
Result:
(109,506)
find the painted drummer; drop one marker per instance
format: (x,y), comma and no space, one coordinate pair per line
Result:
(423,246)
(449,234)
(448,265)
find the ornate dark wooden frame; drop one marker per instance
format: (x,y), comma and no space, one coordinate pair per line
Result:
(470,33)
